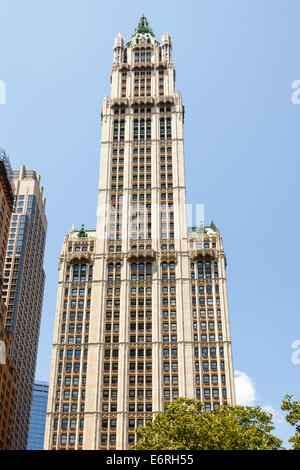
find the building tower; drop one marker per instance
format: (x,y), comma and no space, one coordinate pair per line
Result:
(23,289)
(38,416)
(8,376)
(142,314)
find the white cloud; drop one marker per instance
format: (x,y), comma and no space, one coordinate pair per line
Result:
(277,416)
(246,395)
(244,389)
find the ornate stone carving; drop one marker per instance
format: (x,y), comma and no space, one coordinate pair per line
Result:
(77,256)
(141,254)
(164,100)
(168,256)
(119,102)
(115,257)
(137,100)
(208,253)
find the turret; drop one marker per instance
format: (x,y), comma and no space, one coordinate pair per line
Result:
(166,47)
(118,49)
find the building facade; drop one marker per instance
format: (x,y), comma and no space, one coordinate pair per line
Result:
(8,377)
(142,314)
(38,416)
(23,288)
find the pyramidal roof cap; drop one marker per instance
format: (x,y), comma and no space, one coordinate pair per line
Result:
(143,31)
(143,27)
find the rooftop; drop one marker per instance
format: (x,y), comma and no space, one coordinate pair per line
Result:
(143,31)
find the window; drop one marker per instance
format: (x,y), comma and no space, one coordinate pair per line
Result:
(73,424)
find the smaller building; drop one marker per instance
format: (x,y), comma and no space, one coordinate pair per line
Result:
(38,416)
(23,290)
(8,376)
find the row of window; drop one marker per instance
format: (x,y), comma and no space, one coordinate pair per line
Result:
(73,316)
(76,353)
(80,292)
(68,423)
(75,367)
(211,365)
(64,439)
(75,304)
(74,394)
(208,290)
(206,301)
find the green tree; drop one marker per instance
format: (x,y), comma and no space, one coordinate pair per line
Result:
(185,426)
(293,418)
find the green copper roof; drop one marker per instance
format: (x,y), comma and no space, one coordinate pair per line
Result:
(82,232)
(143,27)
(142,31)
(195,230)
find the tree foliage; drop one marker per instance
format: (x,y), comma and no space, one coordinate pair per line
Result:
(185,426)
(293,418)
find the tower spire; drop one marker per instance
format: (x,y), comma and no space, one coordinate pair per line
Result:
(143,31)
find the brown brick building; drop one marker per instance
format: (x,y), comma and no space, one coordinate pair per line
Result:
(8,377)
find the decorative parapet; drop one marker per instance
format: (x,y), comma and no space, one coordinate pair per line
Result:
(168,256)
(115,257)
(76,257)
(164,100)
(123,66)
(142,100)
(205,253)
(119,102)
(141,254)
(142,65)
(163,65)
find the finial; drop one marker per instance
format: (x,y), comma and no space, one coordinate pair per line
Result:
(82,232)
(212,225)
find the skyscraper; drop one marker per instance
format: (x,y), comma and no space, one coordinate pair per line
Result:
(23,289)
(142,315)
(38,416)
(8,376)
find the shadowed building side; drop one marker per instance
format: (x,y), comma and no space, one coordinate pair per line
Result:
(8,376)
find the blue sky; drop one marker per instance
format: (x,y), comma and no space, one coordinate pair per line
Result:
(235,63)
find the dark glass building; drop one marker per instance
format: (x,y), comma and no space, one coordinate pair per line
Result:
(38,416)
